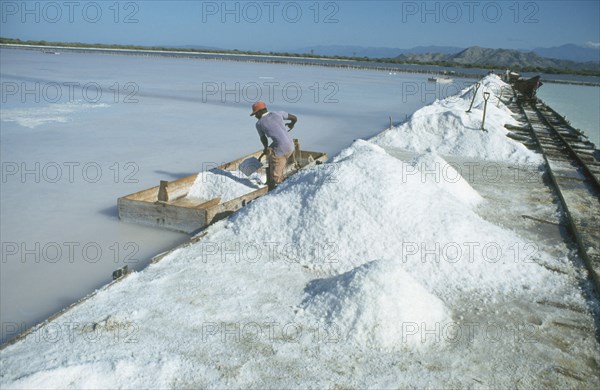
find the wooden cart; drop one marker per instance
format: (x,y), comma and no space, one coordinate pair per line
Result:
(167,206)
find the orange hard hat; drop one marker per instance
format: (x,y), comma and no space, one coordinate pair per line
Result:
(256,107)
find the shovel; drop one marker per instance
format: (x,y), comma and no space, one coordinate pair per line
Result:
(251,165)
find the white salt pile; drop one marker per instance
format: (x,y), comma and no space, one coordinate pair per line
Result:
(369,205)
(434,169)
(376,305)
(446,126)
(225,184)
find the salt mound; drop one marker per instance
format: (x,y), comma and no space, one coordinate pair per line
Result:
(364,205)
(377,305)
(446,126)
(433,168)
(226,184)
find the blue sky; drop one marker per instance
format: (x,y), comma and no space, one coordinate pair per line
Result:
(281,25)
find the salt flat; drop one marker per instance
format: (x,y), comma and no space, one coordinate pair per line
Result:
(388,267)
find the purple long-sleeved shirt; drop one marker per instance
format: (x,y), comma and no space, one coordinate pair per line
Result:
(271,125)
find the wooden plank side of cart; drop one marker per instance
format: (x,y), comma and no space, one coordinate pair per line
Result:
(182,214)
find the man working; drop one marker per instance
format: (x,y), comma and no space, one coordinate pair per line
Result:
(270,124)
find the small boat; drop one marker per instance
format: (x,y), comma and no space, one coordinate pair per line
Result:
(444,80)
(168,206)
(440,80)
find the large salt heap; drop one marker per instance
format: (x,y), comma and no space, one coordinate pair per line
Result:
(376,305)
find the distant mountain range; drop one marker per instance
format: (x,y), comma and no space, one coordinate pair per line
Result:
(567,52)
(562,59)
(570,52)
(567,57)
(499,58)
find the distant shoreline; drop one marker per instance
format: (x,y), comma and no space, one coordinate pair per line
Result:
(161,51)
(285,59)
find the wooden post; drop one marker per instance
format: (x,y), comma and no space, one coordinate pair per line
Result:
(163,194)
(119,273)
(297,154)
(474,94)
(390,121)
